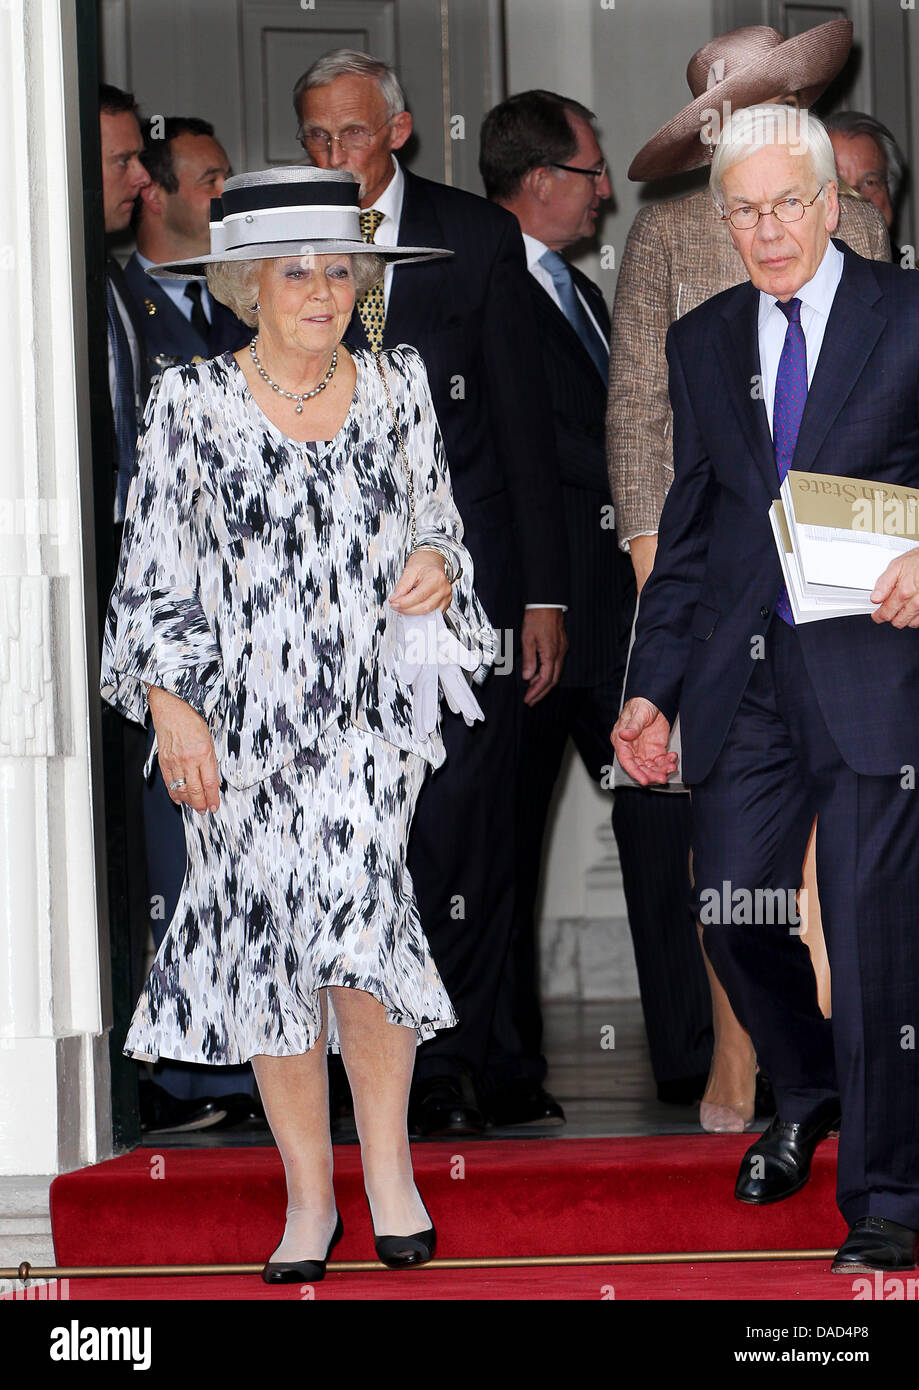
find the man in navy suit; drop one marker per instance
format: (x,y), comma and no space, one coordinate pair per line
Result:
(815,365)
(470,317)
(540,158)
(181,322)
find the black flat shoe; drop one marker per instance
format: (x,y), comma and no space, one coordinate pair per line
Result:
(302,1271)
(778,1164)
(406,1252)
(874,1242)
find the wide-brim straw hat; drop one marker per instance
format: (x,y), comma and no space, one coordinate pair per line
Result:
(292,210)
(743,68)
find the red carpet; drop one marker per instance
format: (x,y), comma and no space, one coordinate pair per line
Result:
(524,1197)
(800,1280)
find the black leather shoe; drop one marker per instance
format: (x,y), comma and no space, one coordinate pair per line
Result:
(302,1271)
(874,1242)
(437,1107)
(163,1113)
(779,1162)
(240,1108)
(523,1103)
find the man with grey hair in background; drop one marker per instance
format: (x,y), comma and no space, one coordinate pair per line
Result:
(871,163)
(470,317)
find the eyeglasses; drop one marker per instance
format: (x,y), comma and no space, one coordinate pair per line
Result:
(353,137)
(786,210)
(595,174)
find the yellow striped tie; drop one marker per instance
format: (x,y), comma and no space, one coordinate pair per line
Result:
(372,307)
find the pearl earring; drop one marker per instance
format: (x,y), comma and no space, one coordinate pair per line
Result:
(256,307)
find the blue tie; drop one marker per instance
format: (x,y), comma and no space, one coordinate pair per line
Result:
(574,310)
(788,408)
(124,406)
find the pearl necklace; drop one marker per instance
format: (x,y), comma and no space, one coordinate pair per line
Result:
(293,395)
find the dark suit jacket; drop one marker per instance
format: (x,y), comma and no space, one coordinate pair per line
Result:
(166,331)
(599,616)
(117,276)
(471,318)
(716,576)
(119,279)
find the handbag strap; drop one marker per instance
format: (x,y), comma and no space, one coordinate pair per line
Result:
(405,463)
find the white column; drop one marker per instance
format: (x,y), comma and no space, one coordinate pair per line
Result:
(55,1110)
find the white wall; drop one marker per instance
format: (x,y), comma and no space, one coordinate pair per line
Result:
(54,1075)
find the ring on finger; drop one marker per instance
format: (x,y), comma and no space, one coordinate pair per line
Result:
(179,782)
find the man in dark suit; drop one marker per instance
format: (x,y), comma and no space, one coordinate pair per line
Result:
(124,744)
(540,159)
(123,178)
(815,365)
(471,319)
(181,322)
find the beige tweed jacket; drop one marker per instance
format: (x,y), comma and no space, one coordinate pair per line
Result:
(677,255)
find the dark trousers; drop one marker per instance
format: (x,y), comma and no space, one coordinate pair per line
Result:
(652,830)
(652,835)
(164,838)
(586,715)
(752,815)
(461,861)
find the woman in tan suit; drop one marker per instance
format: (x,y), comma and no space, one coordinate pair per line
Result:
(679,254)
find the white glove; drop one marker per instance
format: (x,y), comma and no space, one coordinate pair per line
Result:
(431,658)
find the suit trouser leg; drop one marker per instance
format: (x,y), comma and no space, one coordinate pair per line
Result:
(780,766)
(868,880)
(515,1045)
(461,860)
(652,830)
(164,838)
(654,849)
(751,819)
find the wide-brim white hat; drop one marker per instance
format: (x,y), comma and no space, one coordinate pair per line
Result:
(292,210)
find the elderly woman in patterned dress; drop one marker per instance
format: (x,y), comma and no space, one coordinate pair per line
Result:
(291,506)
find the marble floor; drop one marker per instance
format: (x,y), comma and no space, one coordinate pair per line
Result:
(599,1070)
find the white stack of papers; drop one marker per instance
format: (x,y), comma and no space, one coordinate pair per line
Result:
(836,536)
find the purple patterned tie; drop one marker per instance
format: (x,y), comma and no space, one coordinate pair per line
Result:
(788,407)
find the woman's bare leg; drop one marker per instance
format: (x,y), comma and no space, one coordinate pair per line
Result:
(379,1058)
(728,1103)
(295,1094)
(812,925)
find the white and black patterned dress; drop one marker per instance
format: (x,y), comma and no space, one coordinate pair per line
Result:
(253,583)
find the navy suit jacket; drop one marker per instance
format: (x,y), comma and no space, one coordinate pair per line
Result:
(168,334)
(599,616)
(716,575)
(471,318)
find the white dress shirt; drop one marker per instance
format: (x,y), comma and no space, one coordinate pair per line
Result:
(540,274)
(816,302)
(176,291)
(389,204)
